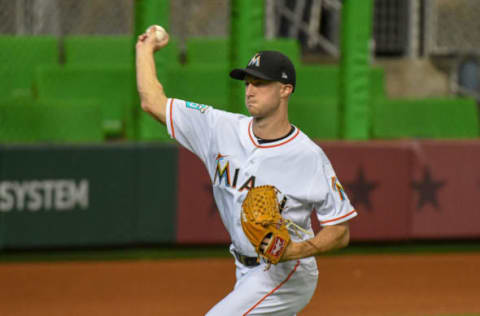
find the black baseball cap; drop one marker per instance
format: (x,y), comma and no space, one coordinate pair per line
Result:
(268,65)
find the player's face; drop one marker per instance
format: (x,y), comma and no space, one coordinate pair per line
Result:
(262,97)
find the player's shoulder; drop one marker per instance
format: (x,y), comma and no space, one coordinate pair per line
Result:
(208,109)
(226,119)
(309,146)
(229,115)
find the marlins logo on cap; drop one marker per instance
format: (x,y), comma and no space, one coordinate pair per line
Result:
(255,61)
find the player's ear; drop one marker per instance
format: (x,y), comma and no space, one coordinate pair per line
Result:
(286,90)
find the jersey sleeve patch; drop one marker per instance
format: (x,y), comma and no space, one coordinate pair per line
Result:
(337,187)
(330,200)
(202,108)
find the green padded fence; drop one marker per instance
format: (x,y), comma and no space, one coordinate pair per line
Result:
(377,83)
(102,50)
(319,81)
(20,56)
(208,84)
(120,118)
(207,50)
(215,50)
(289,47)
(356,34)
(23,120)
(318,117)
(110,85)
(246,35)
(323,81)
(153,131)
(427,118)
(315,106)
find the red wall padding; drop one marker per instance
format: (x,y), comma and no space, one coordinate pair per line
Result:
(401,189)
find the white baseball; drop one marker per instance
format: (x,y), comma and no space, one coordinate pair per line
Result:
(160,32)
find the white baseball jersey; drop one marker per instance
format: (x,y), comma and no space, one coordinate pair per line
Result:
(236,161)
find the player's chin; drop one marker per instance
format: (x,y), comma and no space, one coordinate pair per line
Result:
(252,110)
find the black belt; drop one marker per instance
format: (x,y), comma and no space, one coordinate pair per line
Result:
(246,261)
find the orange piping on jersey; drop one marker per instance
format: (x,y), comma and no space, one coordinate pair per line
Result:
(270,146)
(171,118)
(275,289)
(338,218)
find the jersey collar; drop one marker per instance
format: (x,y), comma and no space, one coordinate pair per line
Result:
(281,142)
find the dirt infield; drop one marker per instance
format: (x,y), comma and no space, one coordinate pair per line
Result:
(360,285)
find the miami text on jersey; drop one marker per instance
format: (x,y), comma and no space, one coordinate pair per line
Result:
(222,175)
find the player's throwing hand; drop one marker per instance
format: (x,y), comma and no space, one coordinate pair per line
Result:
(153,39)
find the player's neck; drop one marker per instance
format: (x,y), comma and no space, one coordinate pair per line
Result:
(270,128)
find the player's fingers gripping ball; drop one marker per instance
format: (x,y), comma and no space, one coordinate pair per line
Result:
(159,35)
(261,219)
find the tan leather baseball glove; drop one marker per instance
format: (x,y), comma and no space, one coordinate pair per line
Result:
(261,219)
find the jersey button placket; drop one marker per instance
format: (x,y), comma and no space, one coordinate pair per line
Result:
(247,165)
(252,165)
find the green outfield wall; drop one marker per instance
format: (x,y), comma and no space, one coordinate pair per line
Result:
(63,196)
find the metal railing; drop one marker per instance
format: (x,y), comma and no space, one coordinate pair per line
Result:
(317,21)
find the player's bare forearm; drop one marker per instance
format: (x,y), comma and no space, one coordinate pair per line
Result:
(152,96)
(329,238)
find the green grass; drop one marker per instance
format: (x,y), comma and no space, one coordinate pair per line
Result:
(160,252)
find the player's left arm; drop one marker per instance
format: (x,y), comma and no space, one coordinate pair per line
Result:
(331,205)
(328,238)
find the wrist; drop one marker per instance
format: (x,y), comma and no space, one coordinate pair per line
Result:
(144,48)
(292,251)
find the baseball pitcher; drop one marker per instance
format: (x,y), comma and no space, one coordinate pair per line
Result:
(267,176)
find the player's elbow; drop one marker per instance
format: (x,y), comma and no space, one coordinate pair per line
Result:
(146,106)
(345,240)
(155,107)
(152,99)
